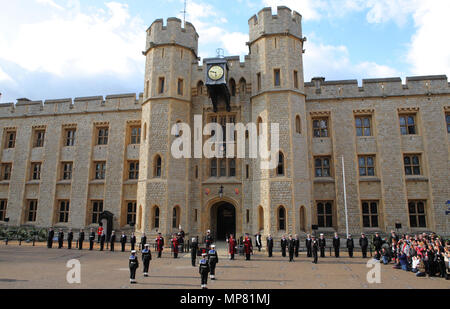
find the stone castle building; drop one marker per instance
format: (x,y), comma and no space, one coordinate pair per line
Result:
(73,163)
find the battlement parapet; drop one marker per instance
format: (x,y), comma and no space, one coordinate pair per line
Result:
(319,89)
(285,21)
(29,108)
(172,33)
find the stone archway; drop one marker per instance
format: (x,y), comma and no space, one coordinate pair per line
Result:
(223,220)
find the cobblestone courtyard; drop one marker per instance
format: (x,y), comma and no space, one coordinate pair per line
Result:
(38,267)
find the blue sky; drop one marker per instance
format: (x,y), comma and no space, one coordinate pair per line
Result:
(67,48)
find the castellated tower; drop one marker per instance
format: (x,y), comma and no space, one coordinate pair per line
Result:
(163,185)
(276,50)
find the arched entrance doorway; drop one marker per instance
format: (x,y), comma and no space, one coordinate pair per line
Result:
(223,219)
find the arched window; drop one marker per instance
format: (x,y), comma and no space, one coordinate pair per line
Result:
(156,217)
(302,219)
(298,127)
(233,87)
(281,218)
(242,87)
(258,123)
(200,88)
(176,217)
(158,167)
(260,218)
(280,168)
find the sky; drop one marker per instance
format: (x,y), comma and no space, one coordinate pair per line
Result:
(51,49)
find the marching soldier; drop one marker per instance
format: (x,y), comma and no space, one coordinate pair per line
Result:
(123,241)
(80,239)
(60,239)
(69,239)
(133,263)
(258,241)
(322,244)
(146,258)
(315,248)
(102,240)
(204,270)
(350,245)
(112,240)
(194,249)
(143,241)
(208,239)
(213,259)
(159,245)
(269,241)
(91,239)
(175,246)
(132,241)
(363,243)
(336,244)
(283,246)
(248,247)
(297,245)
(231,247)
(308,244)
(51,234)
(291,248)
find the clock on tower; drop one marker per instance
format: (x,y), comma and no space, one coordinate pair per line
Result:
(216,81)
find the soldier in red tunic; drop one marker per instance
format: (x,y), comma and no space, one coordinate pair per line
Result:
(175,246)
(159,244)
(231,247)
(248,247)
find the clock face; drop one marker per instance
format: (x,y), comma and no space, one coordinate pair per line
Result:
(215,72)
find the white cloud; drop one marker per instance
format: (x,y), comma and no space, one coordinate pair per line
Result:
(50,3)
(4,77)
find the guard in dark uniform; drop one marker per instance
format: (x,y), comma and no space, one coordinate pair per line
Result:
(269,241)
(60,239)
(133,263)
(146,258)
(123,241)
(204,270)
(258,241)
(336,244)
(322,244)
(159,244)
(377,243)
(297,245)
(69,239)
(213,259)
(208,240)
(51,234)
(132,241)
(80,239)
(350,246)
(194,249)
(91,239)
(291,248)
(308,245)
(143,241)
(112,241)
(363,243)
(283,246)
(314,248)
(102,240)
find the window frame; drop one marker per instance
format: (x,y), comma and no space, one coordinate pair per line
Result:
(326,215)
(131,215)
(363,126)
(370,214)
(95,213)
(66,174)
(32,205)
(133,170)
(39,138)
(416,214)
(100,174)
(366,166)
(323,132)
(323,167)
(412,165)
(405,128)
(63,214)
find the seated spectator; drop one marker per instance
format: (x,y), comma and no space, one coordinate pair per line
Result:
(385,256)
(420,268)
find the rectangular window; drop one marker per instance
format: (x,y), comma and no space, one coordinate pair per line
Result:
(135,138)
(6,171)
(97,209)
(100,170)
(366,165)
(36,171)
(295,79)
(133,170)
(180,87)
(213,167)
(10,141)
(66,170)
(223,167)
(131,212)
(370,213)
(102,136)
(412,164)
(70,137)
(325,214)
(258,77)
(363,125)
(320,127)
(322,166)
(247,215)
(39,136)
(247,171)
(3,204)
(32,210)
(417,216)
(195,215)
(276,77)
(161,85)
(64,211)
(232,163)
(408,124)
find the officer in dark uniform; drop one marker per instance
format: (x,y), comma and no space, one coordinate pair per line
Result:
(132,241)
(60,239)
(208,239)
(146,258)
(91,239)
(69,239)
(377,243)
(283,246)
(291,248)
(112,240)
(204,270)
(80,239)
(269,241)
(123,241)
(159,244)
(133,263)
(336,244)
(308,245)
(258,241)
(350,245)
(213,259)
(194,249)
(297,245)
(51,234)
(143,241)
(314,248)
(102,240)
(363,243)
(322,244)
